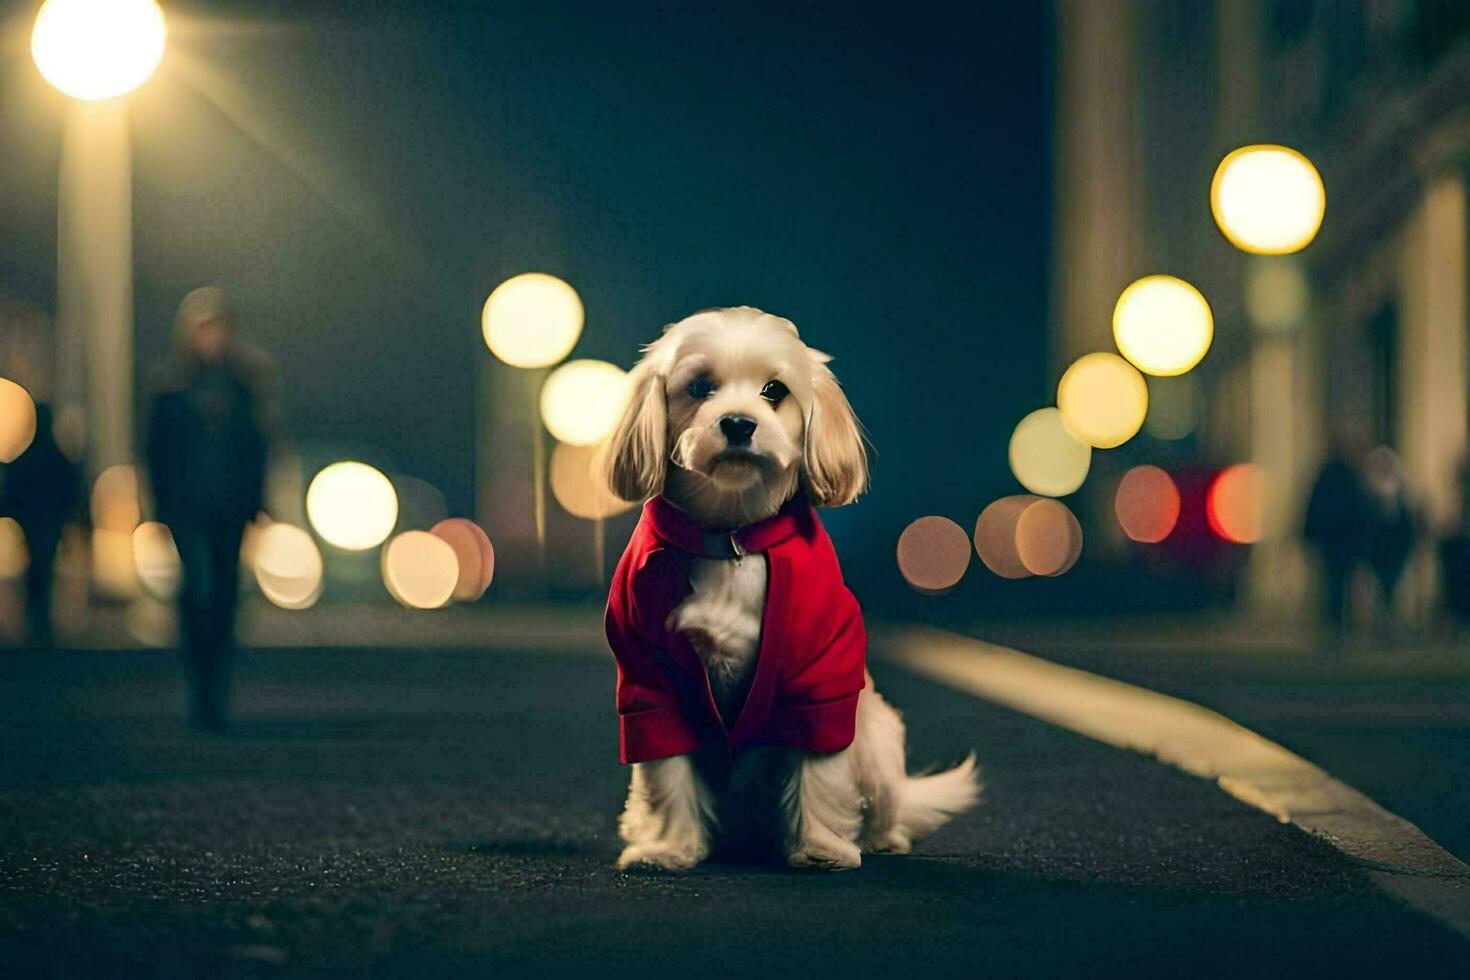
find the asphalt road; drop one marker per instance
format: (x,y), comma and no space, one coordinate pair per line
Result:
(412,812)
(1393,723)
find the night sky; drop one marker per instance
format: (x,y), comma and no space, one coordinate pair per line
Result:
(881,178)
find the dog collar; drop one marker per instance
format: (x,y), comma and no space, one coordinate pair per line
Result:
(675,527)
(721,546)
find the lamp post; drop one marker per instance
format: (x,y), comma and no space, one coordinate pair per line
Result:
(531,321)
(97,51)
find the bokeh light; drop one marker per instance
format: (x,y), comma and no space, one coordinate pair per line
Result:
(933,554)
(995,535)
(1268,199)
(582,400)
(532,320)
(352,505)
(14,556)
(1045,457)
(156,559)
(114,572)
(98,49)
(151,622)
(17,420)
(1163,325)
(1147,504)
(116,506)
(420,570)
(287,564)
(473,551)
(577,486)
(1173,406)
(1103,400)
(1048,538)
(1235,504)
(1277,294)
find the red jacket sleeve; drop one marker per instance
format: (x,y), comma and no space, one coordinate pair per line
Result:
(651,703)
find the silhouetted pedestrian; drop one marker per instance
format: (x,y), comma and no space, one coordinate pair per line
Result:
(42,492)
(207,444)
(1336,527)
(1391,527)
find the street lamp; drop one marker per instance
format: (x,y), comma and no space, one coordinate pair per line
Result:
(96,51)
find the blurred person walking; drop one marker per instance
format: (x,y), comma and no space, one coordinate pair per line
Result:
(1454,555)
(1392,528)
(42,491)
(210,425)
(1336,528)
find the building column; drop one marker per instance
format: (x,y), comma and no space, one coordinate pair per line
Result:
(1098,174)
(1432,364)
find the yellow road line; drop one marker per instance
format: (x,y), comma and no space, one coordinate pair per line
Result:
(1401,859)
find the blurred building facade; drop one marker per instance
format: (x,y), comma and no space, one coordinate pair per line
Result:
(1363,332)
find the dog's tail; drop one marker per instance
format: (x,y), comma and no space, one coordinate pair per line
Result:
(926,803)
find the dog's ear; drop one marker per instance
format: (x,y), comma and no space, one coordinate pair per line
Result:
(634,458)
(835,463)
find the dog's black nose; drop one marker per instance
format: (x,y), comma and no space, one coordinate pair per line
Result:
(737,429)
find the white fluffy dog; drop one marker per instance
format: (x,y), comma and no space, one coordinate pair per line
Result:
(736,428)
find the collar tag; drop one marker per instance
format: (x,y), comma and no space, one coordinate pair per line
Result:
(721,546)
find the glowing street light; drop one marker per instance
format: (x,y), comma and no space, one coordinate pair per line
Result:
(582,400)
(17,420)
(1163,325)
(532,320)
(1268,199)
(1103,400)
(98,49)
(1045,457)
(352,505)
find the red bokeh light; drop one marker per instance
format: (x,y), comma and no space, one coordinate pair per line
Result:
(1147,504)
(1235,504)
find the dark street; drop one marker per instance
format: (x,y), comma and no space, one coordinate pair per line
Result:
(470,471)
(439,812)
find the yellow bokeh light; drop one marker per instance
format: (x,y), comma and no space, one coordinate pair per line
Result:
(532,320)
(98,49)
(995,535)
(933,553)
(420,570)
(582,400)
(14,556)
(1268,199)
(577,484)
(1163,325)
(17,420)
(1045,457)
(1103,400)
(1048,538)
(114,572)
(352,505)
(156,559)
(115,502)
(474,552)
(287,565)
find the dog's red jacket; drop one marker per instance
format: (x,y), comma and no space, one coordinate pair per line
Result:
(813,646)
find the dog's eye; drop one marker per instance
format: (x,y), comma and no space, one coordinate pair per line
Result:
(774,391)
(701,387)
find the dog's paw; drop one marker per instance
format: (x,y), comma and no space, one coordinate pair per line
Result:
(894,842)
(825,858)
(669,857)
